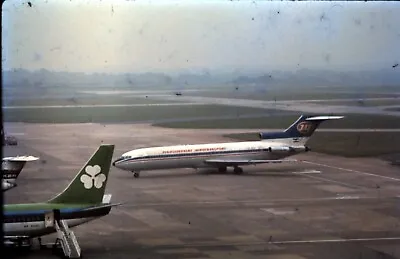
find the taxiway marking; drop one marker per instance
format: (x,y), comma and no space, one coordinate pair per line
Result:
(353,171)
(334,181)
(277,212)
(339,240)
(287,242)
(307,172)
(252,202)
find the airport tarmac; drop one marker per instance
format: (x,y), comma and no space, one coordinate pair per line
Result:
(323,207)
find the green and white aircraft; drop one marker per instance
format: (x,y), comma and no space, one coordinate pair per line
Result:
(82,201)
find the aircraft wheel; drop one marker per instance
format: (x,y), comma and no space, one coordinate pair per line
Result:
(238,170)
(136,175)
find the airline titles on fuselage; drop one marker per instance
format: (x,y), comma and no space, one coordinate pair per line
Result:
(192,150)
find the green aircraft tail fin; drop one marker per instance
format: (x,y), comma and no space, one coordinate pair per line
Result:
(89,184)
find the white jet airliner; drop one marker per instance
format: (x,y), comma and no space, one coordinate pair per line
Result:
(272,148)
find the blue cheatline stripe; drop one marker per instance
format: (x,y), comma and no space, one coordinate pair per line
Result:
(36,212)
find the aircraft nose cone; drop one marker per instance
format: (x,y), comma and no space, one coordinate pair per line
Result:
(115,161)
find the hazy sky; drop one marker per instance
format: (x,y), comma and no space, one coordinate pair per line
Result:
(125,36)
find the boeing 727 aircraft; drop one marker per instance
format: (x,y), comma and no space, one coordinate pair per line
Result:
(82,201)
(11,167)
(273,147)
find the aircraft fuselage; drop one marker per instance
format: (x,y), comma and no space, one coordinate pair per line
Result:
(35,228)
(194,156)
(32,223)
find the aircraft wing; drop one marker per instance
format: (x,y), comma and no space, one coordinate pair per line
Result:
(237,162)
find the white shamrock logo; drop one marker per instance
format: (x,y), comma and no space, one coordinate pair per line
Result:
(93,177)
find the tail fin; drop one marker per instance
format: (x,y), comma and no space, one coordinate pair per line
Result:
(11,167)
(89,184)
(302,128)
(306,125)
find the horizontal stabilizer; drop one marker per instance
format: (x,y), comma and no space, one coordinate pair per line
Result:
(324,118)
(237,162)
(21,158)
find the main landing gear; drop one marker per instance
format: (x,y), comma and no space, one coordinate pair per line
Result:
(136,174)
(237,170)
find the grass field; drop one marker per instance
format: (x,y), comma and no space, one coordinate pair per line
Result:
(356,121)
(122,114)
(287,94)
(348,144)
(92,100)
(366,103)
